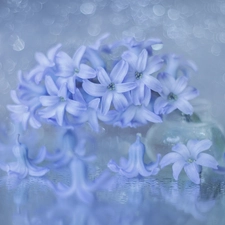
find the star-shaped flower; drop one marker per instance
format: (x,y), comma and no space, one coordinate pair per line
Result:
(69,69)
(135,165)
(190,158)
(175,95)
(46,64)
(24,164)
(141,69)
(111,87)
(57,102)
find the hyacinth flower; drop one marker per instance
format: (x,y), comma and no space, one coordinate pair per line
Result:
(57,103)
(26,99)
(176,64)
(141,69)
(24,164)
(80,187)
(135,165)
(136,115)
(71,147)
(111,87)
(46,64)
(190,158)
(175,95)
(69,69)
(90,115)
(135,46)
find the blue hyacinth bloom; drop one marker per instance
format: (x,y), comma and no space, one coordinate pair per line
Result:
(190,158)
(24,164)
(175,95)
(135,165)
(111,87)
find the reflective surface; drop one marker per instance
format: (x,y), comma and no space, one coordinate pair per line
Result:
(195,29)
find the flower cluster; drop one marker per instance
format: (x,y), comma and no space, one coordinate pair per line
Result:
(96,84)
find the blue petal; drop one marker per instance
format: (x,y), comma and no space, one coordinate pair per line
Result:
(119,71)
(180,85)
(78,56)
(182,150)
(207,160)
(138,94)
(93,89)
(189,93)
(49,100)
(52,52)
(177,167)
(154,64)
(113,166)
(17,108)
(106,101)
(192,172)
(152,83)
(150,116)
(166,80)
(103,77)
(94,104)
(50,86)
(14,96)
(159,104)
(65,65)
(170,158)
(74,107)
(131,58)
(184,106)
(196,147)
(48,112)
(43,60)
(34,123)
(93,120)
(63,91)
(86,72)
(60,113)
(128,115)
(119,101)
(71,84)
(142,61)
(124,87)
(38,171)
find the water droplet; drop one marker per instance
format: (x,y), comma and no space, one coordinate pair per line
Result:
(18,45)
(87,8)
(173,14)
(157,47)
(159,10)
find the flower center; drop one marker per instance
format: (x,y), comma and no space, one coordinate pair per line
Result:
(190,160)
(138,75)
(111,87)
(76,70)
(61,99)
(172,96)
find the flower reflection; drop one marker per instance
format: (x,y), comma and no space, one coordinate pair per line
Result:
(190,195)
(135,165)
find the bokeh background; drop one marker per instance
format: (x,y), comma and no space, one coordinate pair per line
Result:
(194,29)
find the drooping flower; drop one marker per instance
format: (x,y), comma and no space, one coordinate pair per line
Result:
(24,164)
(71,68)
(80,186)
(176,64)
(111,87)
(46,64)
(57,102)
(175,95)
(141,69)
(135,165)
(190,158)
